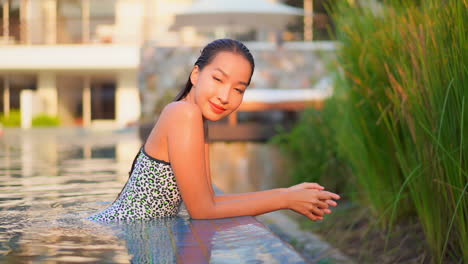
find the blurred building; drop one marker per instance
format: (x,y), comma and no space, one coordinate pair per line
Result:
(80,57)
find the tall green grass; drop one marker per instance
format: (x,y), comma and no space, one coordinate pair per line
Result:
(404,120)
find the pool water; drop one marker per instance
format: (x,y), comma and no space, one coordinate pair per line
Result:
(52,179)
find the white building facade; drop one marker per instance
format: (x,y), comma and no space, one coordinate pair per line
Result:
(80,57)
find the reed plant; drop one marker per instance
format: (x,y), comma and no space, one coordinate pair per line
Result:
(404,81)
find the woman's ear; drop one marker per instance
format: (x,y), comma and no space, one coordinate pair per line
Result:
(194,75)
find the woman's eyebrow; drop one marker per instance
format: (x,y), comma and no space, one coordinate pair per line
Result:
(225,74)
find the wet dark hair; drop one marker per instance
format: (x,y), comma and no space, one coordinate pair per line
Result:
(210,51)
(207,55)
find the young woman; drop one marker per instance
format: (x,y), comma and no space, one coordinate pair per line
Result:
(173,164)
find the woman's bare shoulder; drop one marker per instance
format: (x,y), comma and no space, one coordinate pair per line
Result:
(184,120)
(181,111)
(176,120)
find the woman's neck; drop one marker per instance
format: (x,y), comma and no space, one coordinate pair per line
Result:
(190,98)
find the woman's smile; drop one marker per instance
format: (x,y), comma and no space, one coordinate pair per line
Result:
(216,108)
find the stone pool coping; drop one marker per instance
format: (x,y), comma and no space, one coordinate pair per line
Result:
(235,239)
(309,245)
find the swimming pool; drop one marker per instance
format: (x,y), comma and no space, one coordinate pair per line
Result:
(51,179)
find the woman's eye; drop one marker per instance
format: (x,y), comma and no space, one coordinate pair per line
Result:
(240,91)
(216,79)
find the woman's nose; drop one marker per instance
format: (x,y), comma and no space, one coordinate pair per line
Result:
(223,95)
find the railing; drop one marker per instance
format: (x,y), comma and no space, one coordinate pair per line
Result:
(68,31)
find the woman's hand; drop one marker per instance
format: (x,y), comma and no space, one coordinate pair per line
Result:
(306,185)
(312,185)
(310,199)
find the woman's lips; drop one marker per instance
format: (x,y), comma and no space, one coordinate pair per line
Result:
(217,109)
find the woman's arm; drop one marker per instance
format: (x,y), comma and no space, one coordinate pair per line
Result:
(186,146)
(187,154)
(208,169)
(234,196)
(239,196)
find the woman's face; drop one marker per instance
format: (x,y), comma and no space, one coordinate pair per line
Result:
(221,84)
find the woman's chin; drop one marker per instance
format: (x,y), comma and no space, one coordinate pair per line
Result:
(214,117)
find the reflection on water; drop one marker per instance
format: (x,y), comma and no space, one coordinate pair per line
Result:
(51,179)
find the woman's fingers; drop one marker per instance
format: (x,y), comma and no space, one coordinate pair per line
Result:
(313,185)
(312,216)
(331,202)
(318,212)
(325,195)
(321,204)
(314,202)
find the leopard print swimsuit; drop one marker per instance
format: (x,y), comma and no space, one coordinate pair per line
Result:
(150,192)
